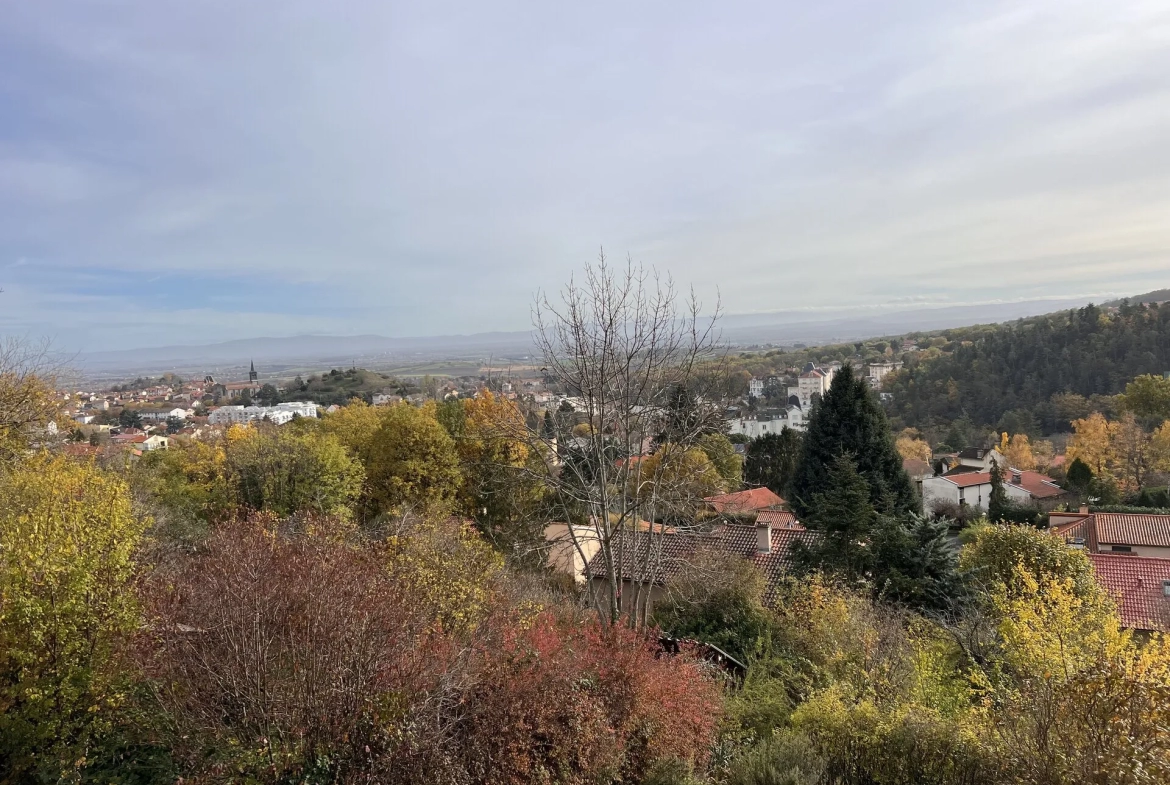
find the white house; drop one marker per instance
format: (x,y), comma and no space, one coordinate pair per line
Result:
(812,381)
(973,489)
(755,427)
(756,388)
(162,415)
(278,414)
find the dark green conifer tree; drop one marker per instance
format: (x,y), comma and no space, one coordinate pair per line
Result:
(997,503)
(771,460)
(849,421)
(843,519)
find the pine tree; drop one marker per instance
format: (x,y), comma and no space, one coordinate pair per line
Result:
(849,421)
(771,460)
(843,518)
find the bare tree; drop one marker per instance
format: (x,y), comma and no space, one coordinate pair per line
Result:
(29,404)
(626,349)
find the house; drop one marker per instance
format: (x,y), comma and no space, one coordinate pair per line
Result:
(756,388)
(385,398)
(918,471)
(973,488)
(979,459)
(766,545)
(1141,587)
(278,414)
(570,548)
(163,414)
(1116,533)
(752,500)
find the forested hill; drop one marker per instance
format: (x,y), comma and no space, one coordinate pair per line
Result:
(995,374)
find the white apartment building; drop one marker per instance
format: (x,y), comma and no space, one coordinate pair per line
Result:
(813,381)
(876,372)
(278,414)
(756,388)
(755,427)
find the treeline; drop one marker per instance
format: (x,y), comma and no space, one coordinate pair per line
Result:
(1034,375)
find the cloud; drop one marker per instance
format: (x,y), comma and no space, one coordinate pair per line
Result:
(423,168)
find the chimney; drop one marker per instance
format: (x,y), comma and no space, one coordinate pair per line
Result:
(1084,509)
(1017,478)
(763,538)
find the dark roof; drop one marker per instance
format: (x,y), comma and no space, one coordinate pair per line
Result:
(745,501)
(917,468)
(675,550)
(1136,583)
(975,453)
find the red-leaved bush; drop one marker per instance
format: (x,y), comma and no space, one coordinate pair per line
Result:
(298,656)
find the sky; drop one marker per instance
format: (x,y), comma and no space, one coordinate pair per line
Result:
(178,172)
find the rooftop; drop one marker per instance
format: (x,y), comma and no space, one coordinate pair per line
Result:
(1138,584)
(745,501)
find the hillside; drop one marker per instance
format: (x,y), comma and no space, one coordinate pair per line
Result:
(338,387)
(1034,374)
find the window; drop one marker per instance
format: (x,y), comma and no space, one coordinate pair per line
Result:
(1121,549)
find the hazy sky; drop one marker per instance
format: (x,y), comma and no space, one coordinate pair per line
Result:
(194,171)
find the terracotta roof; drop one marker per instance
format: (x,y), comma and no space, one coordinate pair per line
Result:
(1124,529)
(1110,528)
(1136,582)
(1081,532)
(1035,483)
(745,501)
(781,519)
(673,551)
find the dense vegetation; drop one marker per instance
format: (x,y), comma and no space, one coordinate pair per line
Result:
(1033,375)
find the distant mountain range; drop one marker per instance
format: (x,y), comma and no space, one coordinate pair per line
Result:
(757,329)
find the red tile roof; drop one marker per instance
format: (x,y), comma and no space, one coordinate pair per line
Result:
(779,519)
(1124,529)
(1108,528)
(1035,483)
(745,501)
(1136,582)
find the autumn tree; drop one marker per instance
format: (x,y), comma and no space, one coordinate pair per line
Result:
(409,458)
(282,471)
(1018,451)
(674,481)
(623,342)
(1092,443)
(67,539)
(29,404)
(499,489)
(911,446)
(719,449)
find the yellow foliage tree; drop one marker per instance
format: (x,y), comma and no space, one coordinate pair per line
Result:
(1160,448)
(1092,442)
(447,569)
(29,403)
(67,537)
(912,447)
(1018,451)
(673,482)
(1075,698)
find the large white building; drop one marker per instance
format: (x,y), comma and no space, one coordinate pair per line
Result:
(278,414)
(879,371)
(755,427)
(756,388)
(813,381)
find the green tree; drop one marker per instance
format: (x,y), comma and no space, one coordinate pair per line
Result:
(843,517)
(1079,477)
(716,598)
(67,538)
(268,395)
(722,454)
(849,421)
(915,562)
(996,553)
(284,472)
(411,463)
(1148,397)
(771,460)
(997,500)
(129,418)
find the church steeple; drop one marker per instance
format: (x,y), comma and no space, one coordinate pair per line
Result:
(252,375)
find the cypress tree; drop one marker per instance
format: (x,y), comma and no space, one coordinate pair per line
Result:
(849,421)
(997,502)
